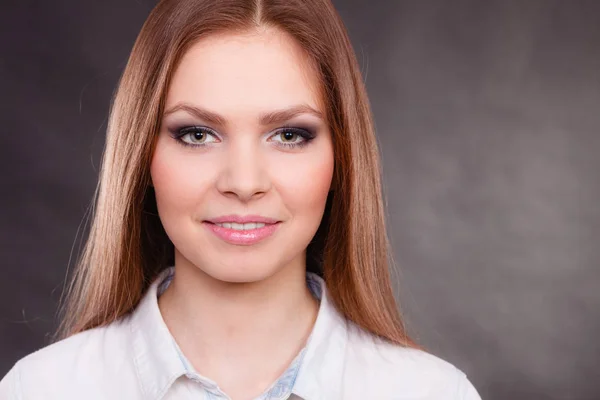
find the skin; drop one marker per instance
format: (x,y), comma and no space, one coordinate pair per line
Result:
(241,313)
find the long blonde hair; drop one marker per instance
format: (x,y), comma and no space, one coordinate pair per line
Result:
(127,246)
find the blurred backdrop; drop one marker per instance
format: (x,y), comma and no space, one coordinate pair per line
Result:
(488,118)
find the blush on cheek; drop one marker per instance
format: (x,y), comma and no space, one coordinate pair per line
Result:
(178,178)
(312,187)
(170,195)
(159,166)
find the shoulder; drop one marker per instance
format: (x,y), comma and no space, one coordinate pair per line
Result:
(85,360)
(412,372)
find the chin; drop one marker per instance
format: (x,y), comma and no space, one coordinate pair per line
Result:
(235,275)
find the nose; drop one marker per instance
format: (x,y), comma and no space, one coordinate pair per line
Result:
(244,171)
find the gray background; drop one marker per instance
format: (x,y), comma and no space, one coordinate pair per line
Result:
(487,113)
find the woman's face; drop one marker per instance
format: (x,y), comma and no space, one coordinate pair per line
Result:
(243,139)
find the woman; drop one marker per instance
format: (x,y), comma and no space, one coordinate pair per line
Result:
(238,247)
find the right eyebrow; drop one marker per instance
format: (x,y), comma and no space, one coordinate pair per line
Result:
(205,115)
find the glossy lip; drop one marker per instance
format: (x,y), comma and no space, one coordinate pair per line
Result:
(242,238)
(242,219)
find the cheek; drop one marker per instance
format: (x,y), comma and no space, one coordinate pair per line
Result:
(178,181)
(304,184)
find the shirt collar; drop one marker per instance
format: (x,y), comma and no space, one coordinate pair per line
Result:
(320,374)
(156,362)
(159,363)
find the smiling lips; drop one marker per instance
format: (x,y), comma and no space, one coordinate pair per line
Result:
(242,230)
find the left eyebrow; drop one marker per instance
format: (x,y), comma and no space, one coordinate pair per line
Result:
(270,118)
(280,116)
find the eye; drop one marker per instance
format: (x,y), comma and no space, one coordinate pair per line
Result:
(293,137)
(195,136)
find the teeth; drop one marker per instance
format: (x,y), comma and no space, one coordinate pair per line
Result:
(241,227)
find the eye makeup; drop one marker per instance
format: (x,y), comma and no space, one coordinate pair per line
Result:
(292,137)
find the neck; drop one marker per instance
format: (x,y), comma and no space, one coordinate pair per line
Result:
(226,330)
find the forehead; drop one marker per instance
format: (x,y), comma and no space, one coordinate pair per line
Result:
(245,73)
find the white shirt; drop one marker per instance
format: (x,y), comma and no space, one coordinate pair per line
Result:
(137,358)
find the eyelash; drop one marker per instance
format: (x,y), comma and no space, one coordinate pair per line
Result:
(306,135)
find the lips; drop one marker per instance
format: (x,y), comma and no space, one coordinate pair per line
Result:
(242,237)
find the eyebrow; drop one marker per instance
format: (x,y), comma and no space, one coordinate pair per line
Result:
(269,118)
